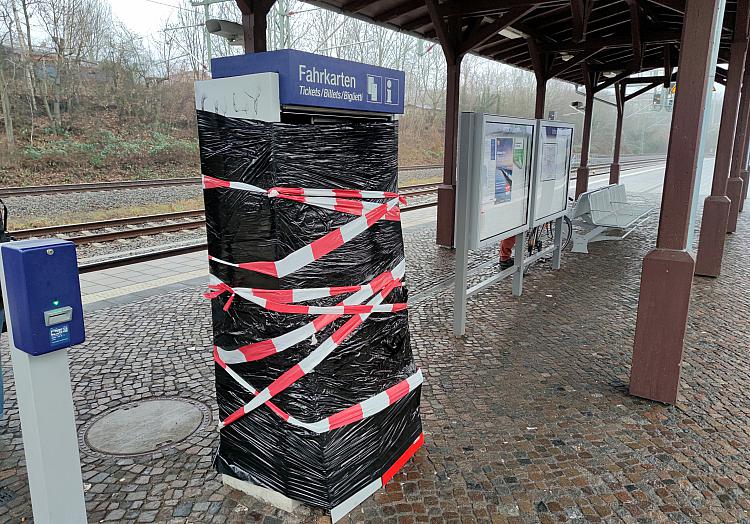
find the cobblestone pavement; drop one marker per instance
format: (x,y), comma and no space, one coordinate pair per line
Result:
(527,419)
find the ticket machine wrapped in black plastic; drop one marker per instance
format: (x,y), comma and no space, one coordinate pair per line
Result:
(317,388)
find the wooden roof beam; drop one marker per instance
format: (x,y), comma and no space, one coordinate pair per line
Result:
(399,10)
(661,37)
(417,23)
(580,11)
(667,53)
(488,7)
(635,34)
(678,6)
(644,89)
(446,33)
(488,31)
(355,5)
(578,58)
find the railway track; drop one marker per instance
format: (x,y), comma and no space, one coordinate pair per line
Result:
(128,184)
(147,225)
(171,182)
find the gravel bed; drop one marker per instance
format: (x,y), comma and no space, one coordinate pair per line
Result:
(419,176)
(107,250)
(44,206)
(41,206)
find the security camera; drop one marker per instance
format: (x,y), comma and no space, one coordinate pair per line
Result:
(577,104)
(232,31)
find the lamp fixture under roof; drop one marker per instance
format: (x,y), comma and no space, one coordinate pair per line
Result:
(511,33)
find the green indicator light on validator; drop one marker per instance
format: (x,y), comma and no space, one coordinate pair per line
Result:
(55,303)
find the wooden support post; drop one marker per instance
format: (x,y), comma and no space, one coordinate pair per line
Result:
(744,173)
(614,169)
(541,62)
(582,174)
(739,152)
(738,175)
(449,35)
(716,207)
(254,13)
(455,45)
(667,276)
(447,190)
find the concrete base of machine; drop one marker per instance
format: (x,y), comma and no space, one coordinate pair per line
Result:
(274,498)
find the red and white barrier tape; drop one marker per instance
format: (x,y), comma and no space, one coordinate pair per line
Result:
(343,200)
(310,362)
(264,348)
(354,413)
(283,301)
(318,248)
(293,309)
(343,509)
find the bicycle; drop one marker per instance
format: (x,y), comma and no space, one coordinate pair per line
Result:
(541,237)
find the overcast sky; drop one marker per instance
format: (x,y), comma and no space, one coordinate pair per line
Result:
(143,16)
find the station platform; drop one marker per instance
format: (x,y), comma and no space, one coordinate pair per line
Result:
(134,282)
(526,419)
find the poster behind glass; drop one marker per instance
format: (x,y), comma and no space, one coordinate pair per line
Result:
(506,177)
(554,150)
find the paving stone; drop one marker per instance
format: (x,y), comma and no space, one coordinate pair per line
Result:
(526,418)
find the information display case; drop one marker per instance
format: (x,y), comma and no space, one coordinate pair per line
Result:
(513,174)
(552,157)
(498,176)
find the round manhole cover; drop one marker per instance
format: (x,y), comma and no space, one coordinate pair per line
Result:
(144,427)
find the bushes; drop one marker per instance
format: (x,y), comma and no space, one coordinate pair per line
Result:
(105,150)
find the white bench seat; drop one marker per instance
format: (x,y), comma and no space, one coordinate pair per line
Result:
(606,209)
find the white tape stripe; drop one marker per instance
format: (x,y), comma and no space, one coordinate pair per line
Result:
(287,340)
(370,407)
(293,337)
(310,362)
(375,404)
(224,262)
(343,509)
(314,192)
(314,310)
(242,186)
(333,203)
(294,261)
(415,380)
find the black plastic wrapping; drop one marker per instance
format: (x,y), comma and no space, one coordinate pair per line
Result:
(319,469)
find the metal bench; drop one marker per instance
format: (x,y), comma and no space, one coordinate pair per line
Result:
(603,210)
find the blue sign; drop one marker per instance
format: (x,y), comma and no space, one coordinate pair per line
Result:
(306,79)
(59,336)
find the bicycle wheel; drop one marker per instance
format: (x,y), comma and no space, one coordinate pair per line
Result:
(567,232)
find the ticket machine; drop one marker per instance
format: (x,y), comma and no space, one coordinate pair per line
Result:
(42,299)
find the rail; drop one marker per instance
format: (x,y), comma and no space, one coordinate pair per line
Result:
(90,232)
(171,182)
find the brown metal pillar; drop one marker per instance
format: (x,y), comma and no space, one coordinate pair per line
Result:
(716,207)
(736,185)
(614,169)
(541,98)
(667,275)
(739,152)
(744,173)
(541,63)
(254,13)
(582,174)
(447,190)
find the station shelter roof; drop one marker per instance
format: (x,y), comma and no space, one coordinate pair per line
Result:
(557,36)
